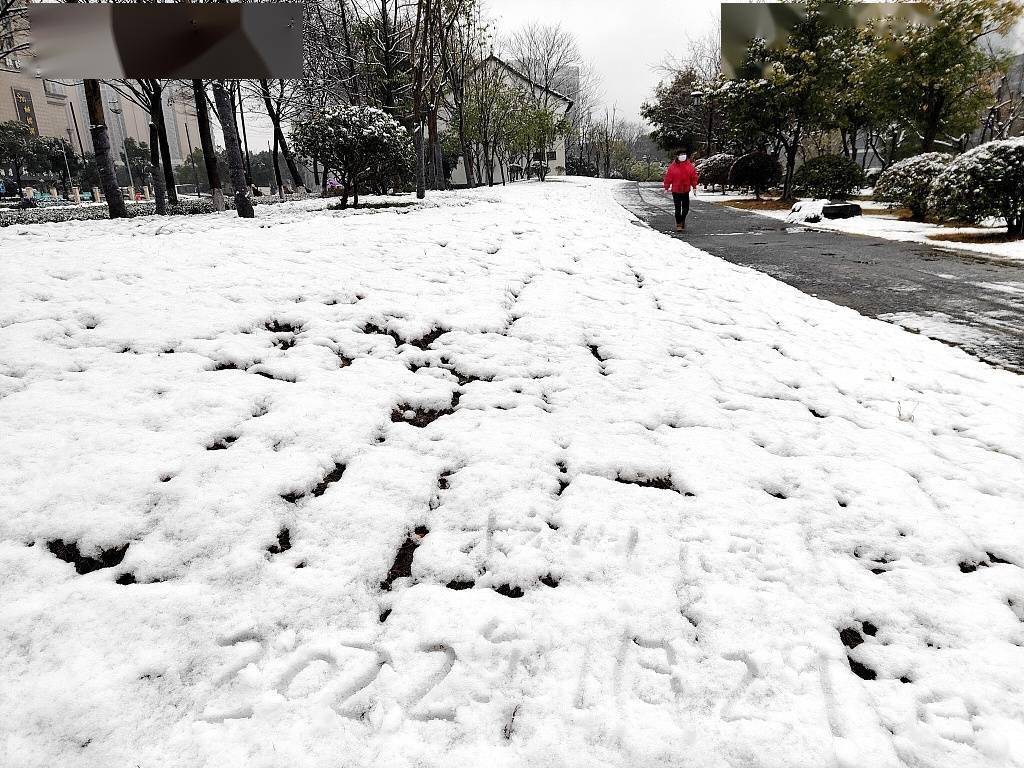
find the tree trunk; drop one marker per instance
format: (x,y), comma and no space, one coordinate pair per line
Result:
(275,118)
(245,138)
(417,138)
(159,186)
(157,108)
(464,145)
(787,186)
(101,144)
(206,140)
(277,169)
(226,112)
(488,163)
(289,160)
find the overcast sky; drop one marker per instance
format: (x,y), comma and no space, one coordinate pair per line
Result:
(624,41)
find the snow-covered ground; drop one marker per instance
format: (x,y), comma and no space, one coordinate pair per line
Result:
(503,480)
(894,228)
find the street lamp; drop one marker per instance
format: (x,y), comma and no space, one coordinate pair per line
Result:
(192,155)
(699,97)
(67,168)
(115,108)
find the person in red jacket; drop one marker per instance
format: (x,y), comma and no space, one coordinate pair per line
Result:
(681,177)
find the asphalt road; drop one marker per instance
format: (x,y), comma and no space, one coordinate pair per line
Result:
(958,299)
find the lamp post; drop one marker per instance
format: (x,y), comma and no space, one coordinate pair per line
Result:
(116,109)
(706,98)
(67,168)
(192,154)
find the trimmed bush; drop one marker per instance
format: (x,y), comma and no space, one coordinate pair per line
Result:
(909,182)
(714,170)
(185,207)
(986,182)
(757,171)
(828,176)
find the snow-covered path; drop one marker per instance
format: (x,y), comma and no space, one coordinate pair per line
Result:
(503,481)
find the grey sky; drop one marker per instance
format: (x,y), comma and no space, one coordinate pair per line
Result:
(624,41)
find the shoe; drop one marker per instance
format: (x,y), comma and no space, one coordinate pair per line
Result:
(680,227)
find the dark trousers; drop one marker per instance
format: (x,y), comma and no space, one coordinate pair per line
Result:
(682,201)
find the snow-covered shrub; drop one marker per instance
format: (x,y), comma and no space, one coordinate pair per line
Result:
(185,207)
(986,182)
(909,182)
(828,176)
(757,171)
(714,170)
(871,176)
(364,146)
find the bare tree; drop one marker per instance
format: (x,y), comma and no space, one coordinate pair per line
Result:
(13,28)
(149,94)
(281,98)
(460,57)
(206,141)
(548,55)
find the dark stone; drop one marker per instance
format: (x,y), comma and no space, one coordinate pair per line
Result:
(841,211)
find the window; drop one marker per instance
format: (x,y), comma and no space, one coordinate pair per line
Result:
(53,88)
(538,156)
(552,155)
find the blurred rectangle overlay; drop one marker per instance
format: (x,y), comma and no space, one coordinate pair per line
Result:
(167,40)
(772,22)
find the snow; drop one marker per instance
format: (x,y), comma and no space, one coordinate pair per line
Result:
(726,503)
(806,211)
(893,228)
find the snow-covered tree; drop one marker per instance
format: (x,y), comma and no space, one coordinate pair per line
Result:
(757,171)
(714,170)
(909,182)
(358,144)
(986,182)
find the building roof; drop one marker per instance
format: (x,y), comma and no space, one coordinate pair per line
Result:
(512,70)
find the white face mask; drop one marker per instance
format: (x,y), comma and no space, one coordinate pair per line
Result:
(682,158)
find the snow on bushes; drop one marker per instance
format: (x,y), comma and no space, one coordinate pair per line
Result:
(829,176)
(714,170)
(986,182)
(909,182)
(364,146)
(184,207)
(757,171)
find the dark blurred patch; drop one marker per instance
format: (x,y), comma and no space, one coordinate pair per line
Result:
(167,40)
(743,22)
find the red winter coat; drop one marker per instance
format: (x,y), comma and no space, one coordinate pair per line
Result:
(681,177)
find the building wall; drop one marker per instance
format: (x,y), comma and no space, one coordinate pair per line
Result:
(556,164)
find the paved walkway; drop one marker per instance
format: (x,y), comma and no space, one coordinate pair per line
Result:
(956,298)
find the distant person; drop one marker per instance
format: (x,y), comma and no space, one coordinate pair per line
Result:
(681,177)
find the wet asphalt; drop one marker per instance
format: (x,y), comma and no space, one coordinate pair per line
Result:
(959,299)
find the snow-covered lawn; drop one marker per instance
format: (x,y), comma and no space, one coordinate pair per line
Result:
(893,228)
(504,480)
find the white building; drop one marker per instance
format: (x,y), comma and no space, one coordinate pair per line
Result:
(555,155)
